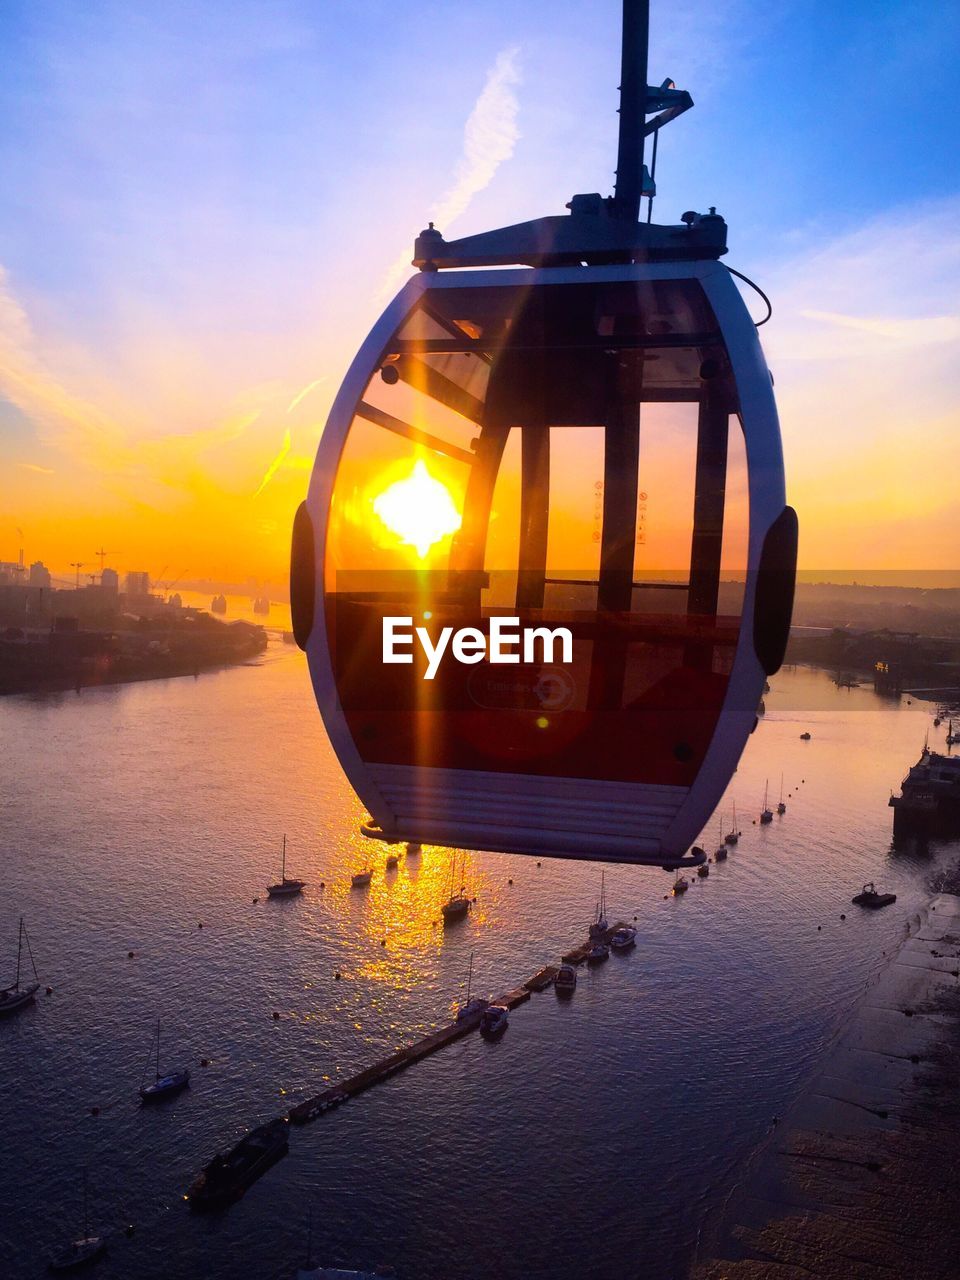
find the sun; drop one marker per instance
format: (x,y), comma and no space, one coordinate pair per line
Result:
(419,510)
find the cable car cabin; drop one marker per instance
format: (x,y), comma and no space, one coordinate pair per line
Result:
(588,451)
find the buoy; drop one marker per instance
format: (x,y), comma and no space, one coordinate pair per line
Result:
(819,927)
(276,1016)
(255,901)
(129,955)
(509,882)
(49,991)
(337,975)
(94,1111)
(383,942)
(842,916)
(204,1062)
(539,864)
(199,924)
(323,884)
(128,1230)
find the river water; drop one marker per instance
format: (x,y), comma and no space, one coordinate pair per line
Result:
(593,1139)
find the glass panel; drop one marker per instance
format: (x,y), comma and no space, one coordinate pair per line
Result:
(568,456)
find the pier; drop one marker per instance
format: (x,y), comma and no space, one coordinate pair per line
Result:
(336,1094)
(333,1096)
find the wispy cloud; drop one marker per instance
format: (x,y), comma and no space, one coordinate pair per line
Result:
(276,464)
(33,466)
(489,138)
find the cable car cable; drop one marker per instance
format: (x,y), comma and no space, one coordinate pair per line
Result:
(753,285)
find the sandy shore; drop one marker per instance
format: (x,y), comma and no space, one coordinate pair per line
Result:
(859,1181)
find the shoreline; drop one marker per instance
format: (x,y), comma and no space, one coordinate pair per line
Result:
(856,1182)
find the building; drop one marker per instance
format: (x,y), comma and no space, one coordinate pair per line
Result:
(110,581)
(40,575)
(138,583)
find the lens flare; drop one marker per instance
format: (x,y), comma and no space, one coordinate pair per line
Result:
(419,510)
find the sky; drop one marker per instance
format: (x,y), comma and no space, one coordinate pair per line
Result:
(208,202)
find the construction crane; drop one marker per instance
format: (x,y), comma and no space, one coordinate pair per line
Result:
(102,555)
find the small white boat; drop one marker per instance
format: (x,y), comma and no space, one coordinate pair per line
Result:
(494,1020)
(766,814)
(361,878)
(163,1086)
(14,998)
(566,980)
(286,886)
(458,904)
(733,835)
(624,939)
(80,1253)
(598,930)
(470,1007)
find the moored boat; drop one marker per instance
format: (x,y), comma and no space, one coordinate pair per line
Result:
(599,952)
(163,1086)
(565,983)
(733,835)
(458,904)
(766,814)
(929,800)
(287,886)
(624,938)
(227,1177)
(17,997)
(869,897)
(494,1021)
(361,878)
(82,1251)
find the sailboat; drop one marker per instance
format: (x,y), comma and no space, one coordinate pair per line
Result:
(766,814)
(458,904)
(17,997)
(680,884)
(470,1008)
(598,930)
(733,835)
(163,1086)
(720,853)
(951,736)
(285,888)
(80,1252)
(782,804)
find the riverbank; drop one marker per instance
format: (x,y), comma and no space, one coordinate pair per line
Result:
(857,1183)
(76,659)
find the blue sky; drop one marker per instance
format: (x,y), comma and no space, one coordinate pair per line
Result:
(204,203)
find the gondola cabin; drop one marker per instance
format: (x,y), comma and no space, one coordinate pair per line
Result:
(545,563)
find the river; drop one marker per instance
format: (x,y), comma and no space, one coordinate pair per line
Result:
(593,1139)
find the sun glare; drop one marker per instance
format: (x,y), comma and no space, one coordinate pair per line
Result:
(419,510)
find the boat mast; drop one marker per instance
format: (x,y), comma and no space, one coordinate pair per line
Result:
(16,985)
(470,978)
(158,1048)
(86,1226)
(283,863)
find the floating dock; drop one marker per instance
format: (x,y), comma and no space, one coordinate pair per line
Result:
(336,1094)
